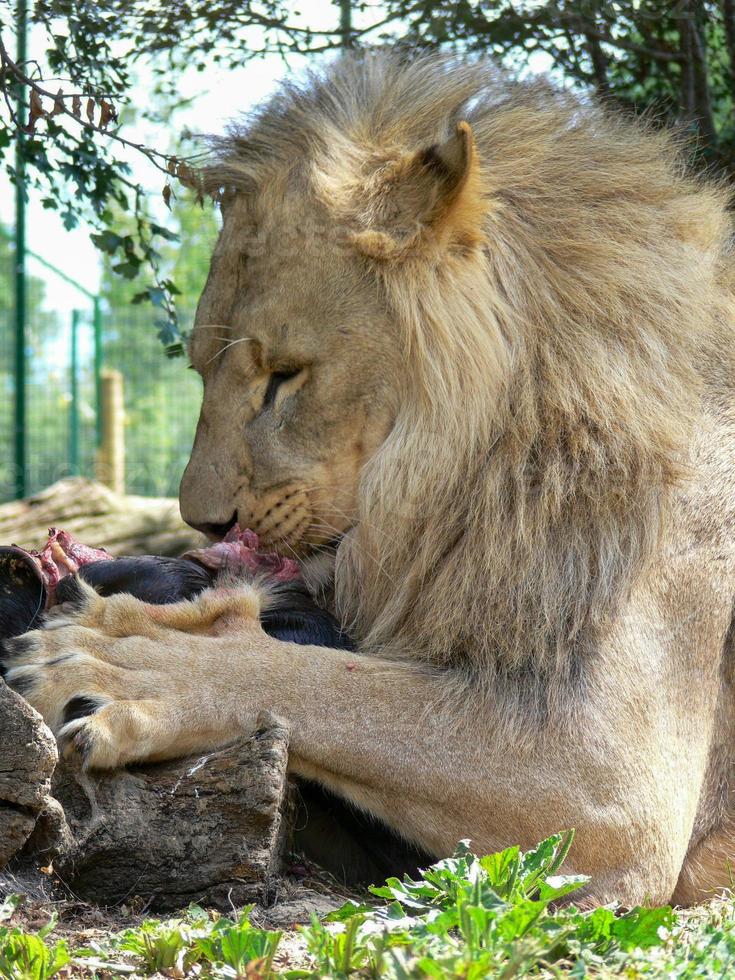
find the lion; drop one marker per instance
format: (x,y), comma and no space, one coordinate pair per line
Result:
(467,350)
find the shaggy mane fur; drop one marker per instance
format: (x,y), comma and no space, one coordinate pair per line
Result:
(550,369)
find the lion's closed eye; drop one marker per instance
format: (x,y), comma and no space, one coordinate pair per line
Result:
(276,380)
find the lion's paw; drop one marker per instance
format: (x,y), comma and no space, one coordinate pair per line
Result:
(107,736)
(114,677)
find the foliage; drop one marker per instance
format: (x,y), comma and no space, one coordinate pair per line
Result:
(27,956)
(162,397)
(68,140)
(479,917)
(183,260)
(502,915)
(195,943)
(674,59)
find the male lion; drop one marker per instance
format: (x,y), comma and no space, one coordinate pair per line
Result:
(476,337)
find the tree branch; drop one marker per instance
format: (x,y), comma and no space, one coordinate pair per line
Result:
(599,63)
(694,90)
(658,54)
(7,64)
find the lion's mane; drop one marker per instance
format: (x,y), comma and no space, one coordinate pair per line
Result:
(551,363)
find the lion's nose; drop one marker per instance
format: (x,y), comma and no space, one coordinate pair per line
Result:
(216,531)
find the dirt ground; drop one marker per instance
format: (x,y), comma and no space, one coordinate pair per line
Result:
(303,890)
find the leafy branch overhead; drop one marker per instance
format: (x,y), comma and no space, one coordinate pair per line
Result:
(93,176)
(671,59)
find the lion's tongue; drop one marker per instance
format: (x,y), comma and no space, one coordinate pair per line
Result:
(238,552)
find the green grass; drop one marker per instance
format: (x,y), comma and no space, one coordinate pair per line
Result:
(469,917)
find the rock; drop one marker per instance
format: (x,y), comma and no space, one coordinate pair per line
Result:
(27,759)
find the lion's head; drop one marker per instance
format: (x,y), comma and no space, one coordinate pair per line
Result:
(299,391)
(459,318)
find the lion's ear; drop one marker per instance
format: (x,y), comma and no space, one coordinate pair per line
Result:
(427,198)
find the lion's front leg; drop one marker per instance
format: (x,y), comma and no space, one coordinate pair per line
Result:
(120,681)
(420,748)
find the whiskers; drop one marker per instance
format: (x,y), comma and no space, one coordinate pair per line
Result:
(227,343)
(327,547)
(321,524)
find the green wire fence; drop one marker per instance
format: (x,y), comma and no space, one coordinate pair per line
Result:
(63,358)
(51,369)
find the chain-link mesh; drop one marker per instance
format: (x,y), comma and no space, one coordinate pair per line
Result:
(161,396)
(162,400)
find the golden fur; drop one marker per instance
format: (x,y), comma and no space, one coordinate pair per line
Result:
(555,360)
(500,319)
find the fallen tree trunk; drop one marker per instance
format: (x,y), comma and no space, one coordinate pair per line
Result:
(209,829)
(125,525)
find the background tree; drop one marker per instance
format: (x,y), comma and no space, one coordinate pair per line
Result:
(675,60)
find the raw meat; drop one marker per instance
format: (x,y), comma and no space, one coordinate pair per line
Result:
(238,551)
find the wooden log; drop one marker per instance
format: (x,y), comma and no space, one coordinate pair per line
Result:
(209,829)
(125,525)
(110,464)
(27,759)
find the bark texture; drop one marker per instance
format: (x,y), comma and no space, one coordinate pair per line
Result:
(209,829)
(27,759)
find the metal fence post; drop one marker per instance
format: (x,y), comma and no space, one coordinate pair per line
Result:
(74,391)
(20,420)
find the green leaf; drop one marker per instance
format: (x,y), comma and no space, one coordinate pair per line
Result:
(640,928)
(516,922)
(50,925)
(595,928)
(562,850)
(557,886)
(347,911)
(127,269)
(502,869)
(170,236)
(107,241)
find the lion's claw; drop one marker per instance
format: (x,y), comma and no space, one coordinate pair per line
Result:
(81,707)
(82,737)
